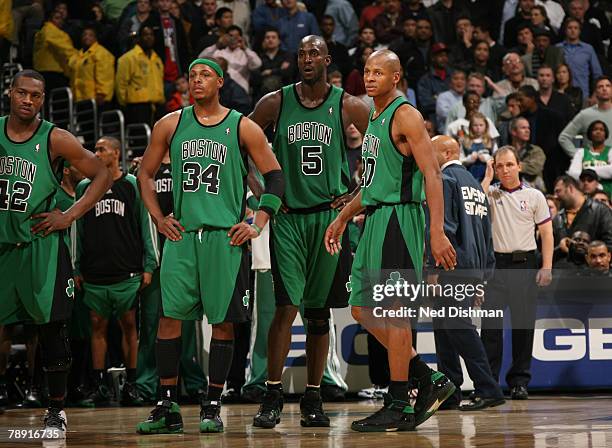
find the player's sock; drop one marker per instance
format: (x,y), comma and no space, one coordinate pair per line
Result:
(214,393)
(220,360)
(168,392)
(418,369)
(274,385)
(167,355)
(399,390)
(268,415)
(56,404)
(311,408)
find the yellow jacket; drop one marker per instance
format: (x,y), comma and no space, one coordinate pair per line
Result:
(52,50)
(6,19)
(92,72)
(140,79)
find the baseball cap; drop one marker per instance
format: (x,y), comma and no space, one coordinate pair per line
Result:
(438,47)
(589,173)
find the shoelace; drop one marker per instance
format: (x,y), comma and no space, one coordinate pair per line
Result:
(159,410)
(54,420)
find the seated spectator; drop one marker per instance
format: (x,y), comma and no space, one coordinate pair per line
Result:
(408,53)
(181,97)
(596,156)
(446,100)
(294,25)
(52,50)
(266,16)
(277,66)
(542,53)
(482,32)
(482,61)
(460,127)
(602,197)
(578,212)
(354,81)
(514,71)
(577,247)
(525,39)
(461,54)
(532,157)
(388,25)
(589,31)
(563,84)
(549,97)
(338,52)
(580,123)
(345,19)
(435,82)
(580,57)
(513,110)
(598,257)
(139,81)
(367,38)
(477,146)
(92,70)
(241,13)
(489,106)
(130,24)
(443,16)
(241,59)
(589,181)
(232,95)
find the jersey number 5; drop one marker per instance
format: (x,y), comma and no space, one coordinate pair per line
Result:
(312,164)
(195,177)
(17,199)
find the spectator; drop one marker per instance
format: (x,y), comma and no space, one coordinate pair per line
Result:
(113,8)
(461,54)
(563,84)
(601,111)
(70,26)
(345,19)
(139,82)
(232,95)
(337,51)
(553,205)
(597,17)
(523,16)
(176,12)
(589,32)
(6,30)
(446,100)
(602,197)
(370,12)
(513,110)
(208,9)
(488,106)
(424,41)
(265,16)
(431,128)
(514,71)
(477,146)
(525,39)
(460,127)
(52,51)
(540,21)
(367,38)
(408,53)
(532,157)
(354,81)
(595,156)
(598,257)
(415,9)
(435,82)
(554,12)
(295,25)
(542,53)
(27,18)
(578,212)
(92,70)
(388,25)
(181,96)
(224,18)
(482,61)
(589,182)
(277,66)
(580,57)
(105,29)
(241,59)
(552,99)
(241,13)
(354,139)
(577,247)
(335,78)
(482,32)
(129,26)
(444,15)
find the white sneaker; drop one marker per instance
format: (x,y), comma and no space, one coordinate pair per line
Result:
(55,424)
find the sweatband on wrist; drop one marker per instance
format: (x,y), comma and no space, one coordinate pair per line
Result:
(210,63)
(257,228)
(270,201)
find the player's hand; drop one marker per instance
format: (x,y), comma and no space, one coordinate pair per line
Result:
(170,228)
(340,202)
(443,251)
(51,221)
(145,280)
(78,282)
(544,277)
(333,236)
(241,233)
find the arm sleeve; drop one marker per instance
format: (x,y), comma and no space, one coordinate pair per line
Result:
(566,138)
(208,51)
(594,63)
(150,238)
(605,227)
(575,167)
(62,44)
(104,74)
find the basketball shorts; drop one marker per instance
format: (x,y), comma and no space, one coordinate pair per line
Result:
(112,300)
(303,271)
(203,274)
(37,280)
(393,239)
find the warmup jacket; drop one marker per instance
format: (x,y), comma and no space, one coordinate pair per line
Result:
(140,79)
(6,19)
(92,72)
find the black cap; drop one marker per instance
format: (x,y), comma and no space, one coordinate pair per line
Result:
(542,31)
(589,173)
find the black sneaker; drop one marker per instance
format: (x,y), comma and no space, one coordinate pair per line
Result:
(519,393)
(270,409)
(32,398)
(433,391)
(330,392)
(80,397)
(253,394)
(165,418)
(210,417)
(311,408)
(100,397)
(395,415)
(55,424)
(4,399)
(130,396)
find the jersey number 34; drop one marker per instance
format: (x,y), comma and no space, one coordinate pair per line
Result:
(196,176)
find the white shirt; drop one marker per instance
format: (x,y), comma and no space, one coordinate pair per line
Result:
(240,62)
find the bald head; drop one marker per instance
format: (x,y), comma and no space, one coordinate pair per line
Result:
(446,148)
(387,59)
(317,42)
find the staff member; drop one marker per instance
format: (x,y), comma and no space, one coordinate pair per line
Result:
(516,211)
(467,225)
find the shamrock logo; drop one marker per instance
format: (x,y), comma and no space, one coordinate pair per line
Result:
(245,299)
(348,284)
(70,288)
(395,278)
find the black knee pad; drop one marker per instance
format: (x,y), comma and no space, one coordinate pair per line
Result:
(167,354)
(55,347)
(317,327)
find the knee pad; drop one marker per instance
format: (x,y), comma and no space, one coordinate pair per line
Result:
(317,327)
(55,347)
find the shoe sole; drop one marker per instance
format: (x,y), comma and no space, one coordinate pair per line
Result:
(266,425)
(490,405)
(162,431)
(359,428)
(206,428)
(306,424)
(448,390)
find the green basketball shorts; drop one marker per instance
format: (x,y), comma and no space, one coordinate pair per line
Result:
(393,238)
(115,299)
(37,280)
(203,274)
(303,271)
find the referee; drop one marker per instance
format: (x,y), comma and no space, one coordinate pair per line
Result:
(467,225)
(516,211)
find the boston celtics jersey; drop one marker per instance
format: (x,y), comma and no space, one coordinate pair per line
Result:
(389,177)
(591,159)
(163,187)
(208,172)
(63,200)
(309,145)
(27,182)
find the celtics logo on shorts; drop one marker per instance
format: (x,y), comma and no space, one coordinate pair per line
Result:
(245,299)
(70,288)
(348,284)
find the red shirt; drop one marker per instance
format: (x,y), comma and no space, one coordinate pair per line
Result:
(171,68)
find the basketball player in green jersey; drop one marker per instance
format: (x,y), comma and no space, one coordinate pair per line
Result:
(309,120)
(398,158)
(204,265)
(35,267)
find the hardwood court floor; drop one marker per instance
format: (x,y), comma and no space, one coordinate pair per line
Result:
(563,422)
